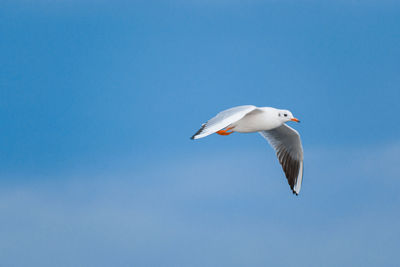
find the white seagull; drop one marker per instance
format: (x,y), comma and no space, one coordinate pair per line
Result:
(270,123)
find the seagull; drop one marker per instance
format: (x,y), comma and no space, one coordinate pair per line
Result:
(271,124)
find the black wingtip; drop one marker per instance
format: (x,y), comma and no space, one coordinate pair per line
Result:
(199,131)
(293,191)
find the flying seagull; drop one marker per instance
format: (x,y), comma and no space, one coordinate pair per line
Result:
(270,123)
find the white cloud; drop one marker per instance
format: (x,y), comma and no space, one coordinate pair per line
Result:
(210,211)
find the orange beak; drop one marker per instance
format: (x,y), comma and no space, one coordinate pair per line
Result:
(294,119)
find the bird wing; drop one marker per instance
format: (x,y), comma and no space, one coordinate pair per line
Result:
(223,120)
(287,144)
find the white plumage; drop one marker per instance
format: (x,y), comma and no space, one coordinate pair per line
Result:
(270,122)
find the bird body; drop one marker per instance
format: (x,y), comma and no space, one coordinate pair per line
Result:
(270,123)
(260,119)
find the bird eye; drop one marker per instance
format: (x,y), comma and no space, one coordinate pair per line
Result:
(285,115)
(279,114)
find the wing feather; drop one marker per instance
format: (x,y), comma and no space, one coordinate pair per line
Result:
(223,120)
(286,141)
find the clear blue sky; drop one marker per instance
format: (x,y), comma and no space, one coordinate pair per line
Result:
(98,100)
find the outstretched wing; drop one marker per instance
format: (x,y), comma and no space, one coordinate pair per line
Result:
(223,120)
(287,144)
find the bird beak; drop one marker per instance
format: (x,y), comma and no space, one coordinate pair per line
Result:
(294,119)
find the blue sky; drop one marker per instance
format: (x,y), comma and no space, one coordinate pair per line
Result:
(98,101)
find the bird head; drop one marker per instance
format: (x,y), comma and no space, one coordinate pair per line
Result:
(285,116)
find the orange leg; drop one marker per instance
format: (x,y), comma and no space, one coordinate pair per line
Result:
(225,132)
